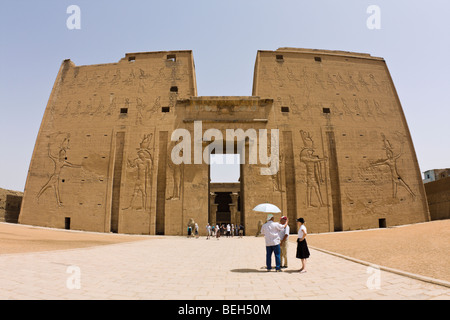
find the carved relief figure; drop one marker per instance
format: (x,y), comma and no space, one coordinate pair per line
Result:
(177,172)
(352,84)
(143,163)
(391,162)
(140,106)
(331,82)
(313,170)
(142,79)
(59,161)
(363,82)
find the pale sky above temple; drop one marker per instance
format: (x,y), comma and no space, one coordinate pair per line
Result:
(224,37)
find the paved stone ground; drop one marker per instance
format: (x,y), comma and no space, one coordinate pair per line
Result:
(187,269)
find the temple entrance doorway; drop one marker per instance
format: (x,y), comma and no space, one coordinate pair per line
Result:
(225,190)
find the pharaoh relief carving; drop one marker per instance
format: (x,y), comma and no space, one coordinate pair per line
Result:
(176,172)
(314,171)
(143,164)
(60,142)
(391,163)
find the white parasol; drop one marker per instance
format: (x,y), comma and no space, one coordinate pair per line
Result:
(266,208)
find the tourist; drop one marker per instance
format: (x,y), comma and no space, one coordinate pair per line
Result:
(196,230)
(217,232)
(302,246)
(232,230)
(241,231)
(284,235)
(228,230)
(208,231)
(271,230)
(189,230)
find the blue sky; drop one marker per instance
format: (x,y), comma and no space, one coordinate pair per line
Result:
(224,36)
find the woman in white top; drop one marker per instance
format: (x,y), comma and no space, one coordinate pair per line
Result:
(302,246)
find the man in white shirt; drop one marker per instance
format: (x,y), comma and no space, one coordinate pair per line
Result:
(284,235)
(271,230)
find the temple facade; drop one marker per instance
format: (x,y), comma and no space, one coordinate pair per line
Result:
(124,147)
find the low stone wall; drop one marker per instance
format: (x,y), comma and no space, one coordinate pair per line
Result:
(10,203)
(438,195)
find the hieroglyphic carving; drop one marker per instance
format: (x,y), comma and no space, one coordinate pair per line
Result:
(278,78)
(129,81)
(142,78)
(318,81)
(59,161)
(314,176)
(351,83)
(156,106)
(341,81)
(144,164)
(116,78)
(331,82)
(391,162)
(363,82)
(161,75)
(140,107)
(374,82)
(291,76)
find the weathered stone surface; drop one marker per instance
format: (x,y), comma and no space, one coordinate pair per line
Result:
(438,196)
(10,202)
(103,154)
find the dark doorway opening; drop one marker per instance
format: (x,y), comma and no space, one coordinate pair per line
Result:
(223,201)
(382,223)
(67,223)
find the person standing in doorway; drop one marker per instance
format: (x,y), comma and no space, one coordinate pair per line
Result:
(241,231)
(196,230)
(302,246)
(208,231)
(217,232)
(284,235)
(271,230)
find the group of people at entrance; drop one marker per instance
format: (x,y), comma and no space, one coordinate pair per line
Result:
(229,230)
(276,236)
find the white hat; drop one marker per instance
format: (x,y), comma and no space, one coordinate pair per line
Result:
(269,216)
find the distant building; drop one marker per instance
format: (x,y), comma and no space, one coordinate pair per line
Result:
(438,197)
(10,203)
(435,174)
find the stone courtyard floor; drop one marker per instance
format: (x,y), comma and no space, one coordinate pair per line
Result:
(160,268)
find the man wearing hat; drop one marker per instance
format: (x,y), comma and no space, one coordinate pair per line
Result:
(284,235)
(271,231)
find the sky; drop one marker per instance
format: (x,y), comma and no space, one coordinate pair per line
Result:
(225,36)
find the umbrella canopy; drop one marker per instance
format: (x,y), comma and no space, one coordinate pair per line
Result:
(267,208)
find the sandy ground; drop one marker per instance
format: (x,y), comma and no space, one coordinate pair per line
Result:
(422,248)
(16,238)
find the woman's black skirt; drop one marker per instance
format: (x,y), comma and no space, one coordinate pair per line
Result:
(302,249)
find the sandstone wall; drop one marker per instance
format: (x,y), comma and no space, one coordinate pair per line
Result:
(438,195)
(102,159)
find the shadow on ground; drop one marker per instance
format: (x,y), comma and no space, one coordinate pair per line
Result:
(262,270)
